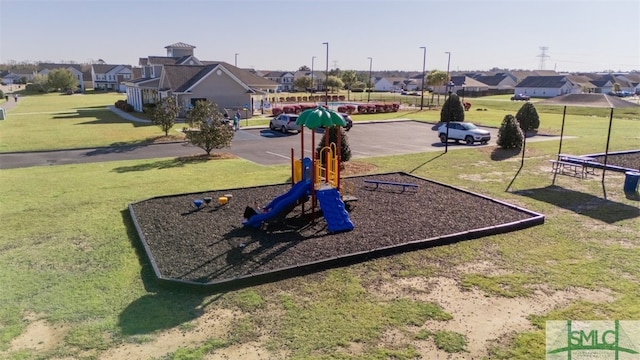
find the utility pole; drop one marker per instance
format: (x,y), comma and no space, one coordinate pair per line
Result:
(326,78)
(424,60)
(370,84)
(312,84)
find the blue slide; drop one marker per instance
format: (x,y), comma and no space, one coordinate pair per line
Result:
(282,203)
(335,214)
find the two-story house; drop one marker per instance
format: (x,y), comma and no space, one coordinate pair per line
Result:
(110,77)
(284,79)
(75,69)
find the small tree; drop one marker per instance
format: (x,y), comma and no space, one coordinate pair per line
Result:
(528,117)
(332,132)
(333,82)
(510,135)
(348,78)
(208,128)
(165,113)
(41,83)
(61,79)
(303,83)
(452,110)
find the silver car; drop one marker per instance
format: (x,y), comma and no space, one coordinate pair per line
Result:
(463,131)
(285,123)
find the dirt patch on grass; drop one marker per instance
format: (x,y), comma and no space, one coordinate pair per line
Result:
(39,336)
(357,168)
(206,157)
(213,324)
(166,139)
(480,318)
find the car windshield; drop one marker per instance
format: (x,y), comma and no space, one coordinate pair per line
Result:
(468,126)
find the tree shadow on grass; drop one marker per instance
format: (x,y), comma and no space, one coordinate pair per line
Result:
(164,164)
(582,203)
(499,154)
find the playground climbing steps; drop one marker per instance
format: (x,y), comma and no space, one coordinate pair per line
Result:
(333,210)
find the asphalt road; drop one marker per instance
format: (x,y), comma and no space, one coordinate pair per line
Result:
(264,146)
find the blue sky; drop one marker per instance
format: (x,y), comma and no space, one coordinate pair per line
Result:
(581,35)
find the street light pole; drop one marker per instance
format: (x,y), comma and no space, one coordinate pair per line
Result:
(312,84)
(424,60)
(370,84)
(236,62)
(326,78)
(448,63)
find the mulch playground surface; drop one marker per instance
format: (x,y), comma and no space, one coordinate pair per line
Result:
(210,246)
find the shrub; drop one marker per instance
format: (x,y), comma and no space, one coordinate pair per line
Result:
(510,135)
(148,108)
(345,149)
(528,117)
(128,108)
(452,109)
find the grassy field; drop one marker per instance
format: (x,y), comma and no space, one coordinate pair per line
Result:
(73,283)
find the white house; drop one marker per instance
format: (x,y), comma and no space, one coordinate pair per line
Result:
(283,78)
(110,77)
(547,86)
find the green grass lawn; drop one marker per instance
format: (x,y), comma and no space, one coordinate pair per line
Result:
(68,253)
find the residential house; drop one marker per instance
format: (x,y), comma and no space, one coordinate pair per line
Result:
(219,82)
(395,84)
(18,76)
(547,86)
(318,78)
(588,85)
(284,79)
(110,77)
(75,69)
(499,81)
(634,79)
(619,83)
(463,86)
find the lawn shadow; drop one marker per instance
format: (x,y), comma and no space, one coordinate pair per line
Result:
(162,311)
(582,203)
(425,163)
(146,270)
(499,154)
(98,116)
(161,164)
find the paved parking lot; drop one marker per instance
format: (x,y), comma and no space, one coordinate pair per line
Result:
(369,139)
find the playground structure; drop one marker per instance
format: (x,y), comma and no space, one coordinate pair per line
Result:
(312,177)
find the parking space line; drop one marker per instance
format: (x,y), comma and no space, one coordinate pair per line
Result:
(274,154)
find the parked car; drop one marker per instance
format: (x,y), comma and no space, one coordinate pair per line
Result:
(521,97)
(348,120)
(463,131)
(285,123)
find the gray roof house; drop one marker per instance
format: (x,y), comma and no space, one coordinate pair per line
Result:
(219,82)
(110,77)
(547,86)
(283,78)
